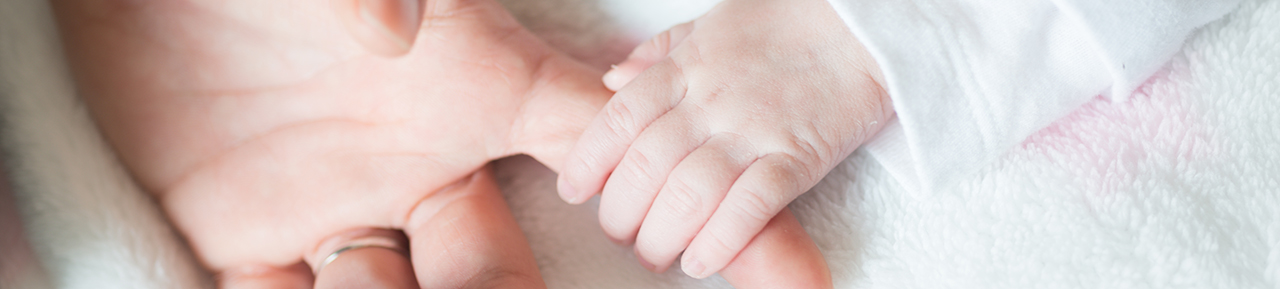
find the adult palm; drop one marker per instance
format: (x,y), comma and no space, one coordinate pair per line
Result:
(262,127)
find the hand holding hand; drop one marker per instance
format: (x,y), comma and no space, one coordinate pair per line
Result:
(264,131)
(719,123)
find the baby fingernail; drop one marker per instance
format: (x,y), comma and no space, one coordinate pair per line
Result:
(695,269)
(567,193)
(614,79)
(646,264)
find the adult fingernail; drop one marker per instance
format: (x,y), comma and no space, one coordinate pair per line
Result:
(567,193)
(695,269)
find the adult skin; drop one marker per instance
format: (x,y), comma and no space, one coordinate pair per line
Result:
(266,128)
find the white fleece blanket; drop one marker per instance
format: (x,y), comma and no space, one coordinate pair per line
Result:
(1177,188)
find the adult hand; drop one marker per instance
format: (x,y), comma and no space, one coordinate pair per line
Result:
(263,128)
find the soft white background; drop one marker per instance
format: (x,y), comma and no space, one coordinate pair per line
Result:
(1177,188)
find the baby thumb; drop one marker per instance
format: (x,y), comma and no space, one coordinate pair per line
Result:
(384,27)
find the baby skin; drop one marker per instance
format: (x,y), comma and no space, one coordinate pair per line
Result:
(271,132)
(719,123)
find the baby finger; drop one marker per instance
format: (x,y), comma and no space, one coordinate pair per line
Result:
(760,193)
(691,194)
(605,141)
(631,189)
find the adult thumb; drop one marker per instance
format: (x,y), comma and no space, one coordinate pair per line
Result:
(384,27)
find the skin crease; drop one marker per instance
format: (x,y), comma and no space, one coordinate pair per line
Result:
(265,127)
(718,124)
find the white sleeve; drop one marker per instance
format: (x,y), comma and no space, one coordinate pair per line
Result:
(970,79)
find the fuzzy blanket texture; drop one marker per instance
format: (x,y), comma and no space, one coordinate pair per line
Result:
(1177,188)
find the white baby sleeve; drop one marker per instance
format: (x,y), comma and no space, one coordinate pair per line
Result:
(970,79)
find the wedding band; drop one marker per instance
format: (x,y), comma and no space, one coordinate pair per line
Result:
(359,239)
(334,255)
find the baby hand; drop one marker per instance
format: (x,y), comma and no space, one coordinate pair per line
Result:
(719,123)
